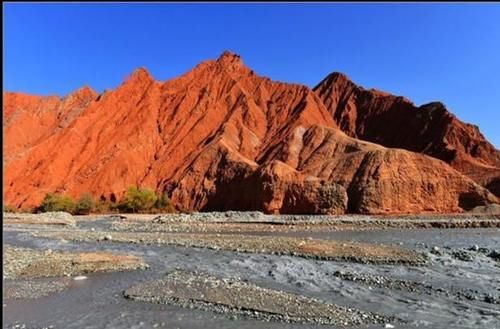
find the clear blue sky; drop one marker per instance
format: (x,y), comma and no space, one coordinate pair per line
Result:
(426,52)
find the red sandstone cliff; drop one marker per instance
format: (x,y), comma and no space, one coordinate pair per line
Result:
(219,137)
(396,122)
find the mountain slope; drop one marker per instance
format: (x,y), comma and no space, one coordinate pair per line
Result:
(396,122)
(218,137)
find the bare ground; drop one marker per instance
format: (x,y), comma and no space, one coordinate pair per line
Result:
(308,248)
(238,297)
(25,263)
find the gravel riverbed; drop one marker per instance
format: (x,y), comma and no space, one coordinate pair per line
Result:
(456,286)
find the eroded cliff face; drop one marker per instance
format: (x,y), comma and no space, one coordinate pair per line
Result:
(396,122)
(219,137)
(30,119)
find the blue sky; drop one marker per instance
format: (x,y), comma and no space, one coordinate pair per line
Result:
(426,52)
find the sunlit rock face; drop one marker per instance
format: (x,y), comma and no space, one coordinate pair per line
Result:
(221,137)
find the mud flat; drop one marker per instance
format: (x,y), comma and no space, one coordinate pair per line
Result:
(238,298)
(26,263)
(307,248)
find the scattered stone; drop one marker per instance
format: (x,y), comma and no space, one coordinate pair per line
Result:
(378,281)
(80,277)
(412,286)
(31,263)
(256,221)
(495,255)
(463,255)
(237,298)
(117,217)
(30,289)
(46,218)
(474,248)
(316,249)
(436,251)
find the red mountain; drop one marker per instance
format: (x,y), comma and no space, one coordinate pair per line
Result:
(396,122)
(218,137)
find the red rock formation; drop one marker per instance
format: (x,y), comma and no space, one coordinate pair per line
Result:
(378,179)
(396,122)
(219,137)
(28,119)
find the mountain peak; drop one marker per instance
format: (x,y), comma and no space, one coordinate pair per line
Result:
(219,128)
(84,93)
(141,72)
(232,62)
(334,78)
(339,76)
(229,57)
(85,90)
(139,76)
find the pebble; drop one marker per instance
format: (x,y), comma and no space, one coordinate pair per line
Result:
(474,248)
(159,292)
(463,256)
(80,277)
(495,255)
(388,325)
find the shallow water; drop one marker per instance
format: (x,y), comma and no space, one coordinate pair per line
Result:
(98,303)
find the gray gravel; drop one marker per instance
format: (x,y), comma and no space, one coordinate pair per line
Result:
(47,218)
(27,263)
(31,289)
(98,301)
(300,247)
(417,287)
(237,298)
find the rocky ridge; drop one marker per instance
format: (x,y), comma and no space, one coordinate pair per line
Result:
(221,137)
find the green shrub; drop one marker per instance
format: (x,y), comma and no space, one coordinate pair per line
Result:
(103,207)
(164,204)
(57,202)
(138,199)
(85,204)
